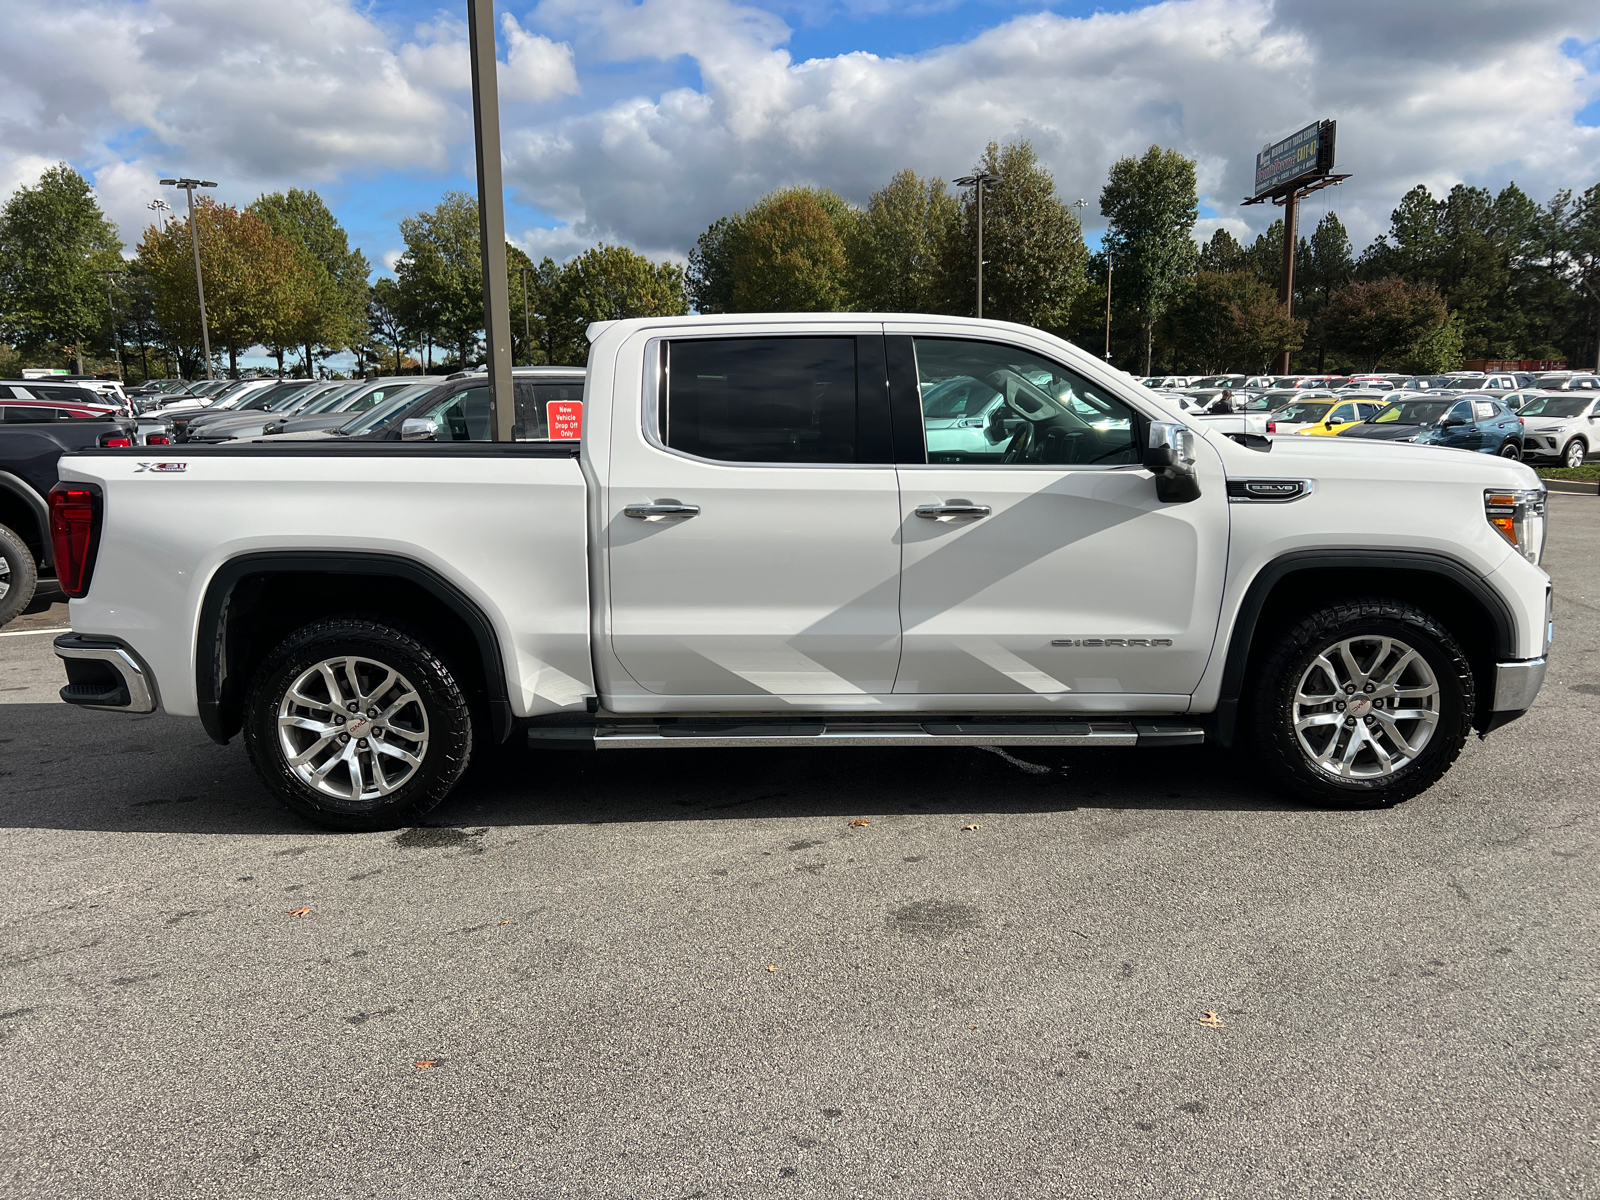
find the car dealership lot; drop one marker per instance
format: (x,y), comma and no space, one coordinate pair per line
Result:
(689,974)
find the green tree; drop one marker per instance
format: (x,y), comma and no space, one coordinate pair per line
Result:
(1580,255)
(1323,265)
(333,315)
(440,275)
(1265,256)
(708,280)
(1384,320)
(895,256)
(1231,322)
(607,283)
(1034,257)
(54,242)
(1152,206)
(788,254)
(1223,255)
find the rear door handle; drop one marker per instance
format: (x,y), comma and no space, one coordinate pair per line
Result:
(655,512)
(950,512)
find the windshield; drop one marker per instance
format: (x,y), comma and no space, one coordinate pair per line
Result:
(329,399)
(380,413)
(1555,406)
(1412,412)
(1306,413)
(1423,383)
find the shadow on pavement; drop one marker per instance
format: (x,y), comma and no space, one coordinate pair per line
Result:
(67,769)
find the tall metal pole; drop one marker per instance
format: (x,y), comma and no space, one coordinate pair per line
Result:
(1111,262)
(527,325)
(980,249)
(491,219)
(1286,277)
(199,283)
(111,319)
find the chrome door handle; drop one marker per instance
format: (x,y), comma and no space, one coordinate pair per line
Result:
(655,512)
(949,512)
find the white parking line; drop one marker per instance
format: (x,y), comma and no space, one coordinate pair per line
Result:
(29,632)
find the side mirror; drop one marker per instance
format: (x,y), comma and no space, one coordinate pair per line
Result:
(1170,455)
(418,429)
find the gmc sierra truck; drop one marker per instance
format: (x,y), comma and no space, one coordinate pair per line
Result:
(743,536)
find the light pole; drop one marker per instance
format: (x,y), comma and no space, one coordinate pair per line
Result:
(976,180)
(111,318)
(527,327)
(189,185)
(1111,261)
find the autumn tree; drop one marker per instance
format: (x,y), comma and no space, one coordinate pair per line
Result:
(1152,206)
(1377,321)
(895,255)
(54,244)
(333,315)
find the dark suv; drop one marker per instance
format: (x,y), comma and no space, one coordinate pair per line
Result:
(1476,421)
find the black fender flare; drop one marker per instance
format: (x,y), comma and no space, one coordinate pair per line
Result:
(1242,636)
(41,511)
(211,641)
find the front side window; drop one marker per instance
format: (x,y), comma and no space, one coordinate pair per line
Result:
(987,403)
(761,399)
(1461,412)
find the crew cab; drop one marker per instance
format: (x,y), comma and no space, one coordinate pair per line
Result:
(739,537)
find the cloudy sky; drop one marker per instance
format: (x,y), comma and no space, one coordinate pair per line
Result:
(640,121)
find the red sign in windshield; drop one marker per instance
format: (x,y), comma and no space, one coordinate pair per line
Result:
(565,419)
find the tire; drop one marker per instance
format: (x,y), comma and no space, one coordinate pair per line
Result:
(1509,449)
(1573,455)
(420,741)
(19,575)
(1316,764)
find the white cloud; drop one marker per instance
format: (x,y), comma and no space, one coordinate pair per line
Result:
(535,68)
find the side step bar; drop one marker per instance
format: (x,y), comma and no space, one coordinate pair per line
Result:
(705,735)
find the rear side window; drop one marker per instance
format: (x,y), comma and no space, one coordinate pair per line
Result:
(761,399)
(1484,410)
(28,414)
(463,416)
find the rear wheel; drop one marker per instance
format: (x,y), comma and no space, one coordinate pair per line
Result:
(19,574)
(356,725)
(1509,449)
(1364,702)
(1572,457)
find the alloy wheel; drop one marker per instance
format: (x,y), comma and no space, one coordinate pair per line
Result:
(1366,707)
(353,728)
(1574,456)
(1510,450)
(5,576)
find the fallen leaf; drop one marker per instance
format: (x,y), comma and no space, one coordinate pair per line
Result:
(297,912)
(974,1028)
(970,828)
(859,822)
(772,967)
(424,1064)
(1212,1021)
(508,922)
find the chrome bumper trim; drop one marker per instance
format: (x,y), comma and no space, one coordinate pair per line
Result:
(135,678)
(1517,683)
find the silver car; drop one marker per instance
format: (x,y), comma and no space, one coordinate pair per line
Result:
(1561,427)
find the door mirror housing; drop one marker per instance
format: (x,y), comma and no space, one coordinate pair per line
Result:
(1169,453)
(419,429)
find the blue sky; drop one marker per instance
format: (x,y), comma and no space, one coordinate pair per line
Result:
(640,121)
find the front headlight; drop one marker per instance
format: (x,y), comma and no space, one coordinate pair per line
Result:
(1518,515)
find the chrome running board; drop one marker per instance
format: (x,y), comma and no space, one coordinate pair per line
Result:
(707,735)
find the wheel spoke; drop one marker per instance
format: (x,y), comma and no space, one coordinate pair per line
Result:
(298,722)
(311,751)
(382,747)
(1358,737)
(328,678)
(1355,673)
(1317,719)
(388,714)
(1401,742)
(1392,675)
(381,690)
(305,701)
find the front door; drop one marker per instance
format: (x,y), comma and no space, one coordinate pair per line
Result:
(1042,562)
(751,528)
(1459,429)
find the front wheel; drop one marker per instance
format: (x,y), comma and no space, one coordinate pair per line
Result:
(1572,457)
(1510,450)
(356,725)
(19,575)
(1363,702)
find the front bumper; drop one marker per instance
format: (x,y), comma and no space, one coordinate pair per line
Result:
(1515,686)
(105,673)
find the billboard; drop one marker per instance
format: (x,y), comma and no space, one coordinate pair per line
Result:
(1303,154)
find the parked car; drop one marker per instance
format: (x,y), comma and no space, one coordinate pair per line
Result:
(459,412)
(1347,411)
(287,399)
(1559,426)
(1299,414)
(1567,381)
(33,437)
(1431,383)
(337,409)
(1478,422)
(745,547)
(246,396)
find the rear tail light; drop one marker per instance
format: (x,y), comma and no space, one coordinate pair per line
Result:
(74,534)
(115,440)
(158,439)
(1272,427)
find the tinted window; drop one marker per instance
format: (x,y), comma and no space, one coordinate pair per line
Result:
(463,416)
(29,414)
(784,400)
(1035,411)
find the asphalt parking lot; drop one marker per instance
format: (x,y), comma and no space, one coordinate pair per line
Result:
(688,974)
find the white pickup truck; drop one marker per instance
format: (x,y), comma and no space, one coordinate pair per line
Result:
(751,544)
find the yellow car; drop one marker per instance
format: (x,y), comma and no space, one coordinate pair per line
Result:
(1343,415)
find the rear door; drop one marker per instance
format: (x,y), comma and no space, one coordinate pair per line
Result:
(751,523)
(1045,566)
